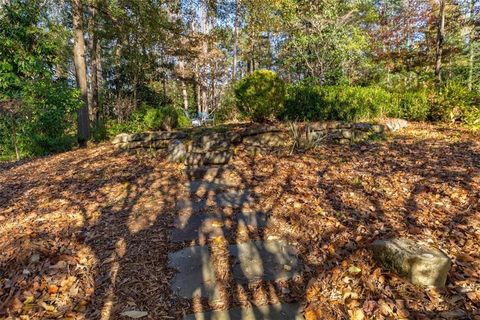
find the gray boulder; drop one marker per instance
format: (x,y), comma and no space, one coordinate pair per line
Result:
(121,138)
(416,262)
(177,152)
(396,124)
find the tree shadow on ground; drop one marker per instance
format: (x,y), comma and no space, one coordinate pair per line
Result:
(108,217)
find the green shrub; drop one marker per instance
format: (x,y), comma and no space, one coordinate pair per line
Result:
(454,103)
(410,105)
(99,131)
(260,96)
(37,109)
(148,118)
(317,103)
(228,110)
(45,123)
(165,118)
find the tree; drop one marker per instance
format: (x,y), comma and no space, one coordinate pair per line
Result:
(472,42)
(95,53)
(37,103)
(80,70)
(440,41)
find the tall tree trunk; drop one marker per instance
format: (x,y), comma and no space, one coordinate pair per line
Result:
(15,143)
(164,85)
(183,84)
(135,89)
(440,41)
(80,71)
(184,95)
(235,43)
(204,80)
(471,45)
(198,94)
(95,54)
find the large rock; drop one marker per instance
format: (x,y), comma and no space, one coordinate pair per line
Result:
(395,124)
(416,262)
(177,152)
(270,260)
(196,275)
(250,262)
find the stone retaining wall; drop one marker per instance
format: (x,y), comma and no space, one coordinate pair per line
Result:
(216,147)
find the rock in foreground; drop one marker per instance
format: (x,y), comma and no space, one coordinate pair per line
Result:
(418,263)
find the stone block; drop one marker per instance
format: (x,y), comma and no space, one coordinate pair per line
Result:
(177,152)
(396,124)
(378,128)
(348,134)
(196,275)
(416,262)
(264,260)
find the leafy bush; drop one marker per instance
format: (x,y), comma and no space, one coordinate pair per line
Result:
(37,112)
(260,96)
(316,103)
(454,103)
(165,118)
(149,118)
(228,110)
(410,105)
(45,122)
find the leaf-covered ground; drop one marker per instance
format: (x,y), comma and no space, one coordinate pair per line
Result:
(84,234)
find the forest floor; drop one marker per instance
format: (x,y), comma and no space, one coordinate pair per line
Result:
(85,234)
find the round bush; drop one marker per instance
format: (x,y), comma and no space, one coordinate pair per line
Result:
(260,95)
(165,118)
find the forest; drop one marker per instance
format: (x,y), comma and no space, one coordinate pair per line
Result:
(73,71)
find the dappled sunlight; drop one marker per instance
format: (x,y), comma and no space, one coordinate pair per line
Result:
(115,231)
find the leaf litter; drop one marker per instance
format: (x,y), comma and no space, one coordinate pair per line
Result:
(85,234)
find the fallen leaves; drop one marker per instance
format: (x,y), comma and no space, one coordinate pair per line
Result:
(66,221)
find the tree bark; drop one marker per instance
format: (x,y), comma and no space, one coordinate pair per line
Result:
(183,85)
(235,44)
(184,95)
(80,71)
(15,144)
(440,41)
(205,61)
(471,44)
(95,54)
